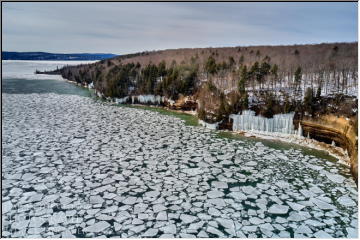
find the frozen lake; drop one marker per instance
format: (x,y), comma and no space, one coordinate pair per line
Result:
(76,167)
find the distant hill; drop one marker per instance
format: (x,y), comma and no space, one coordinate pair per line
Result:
(55,56)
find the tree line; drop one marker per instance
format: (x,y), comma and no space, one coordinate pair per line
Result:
(278,76)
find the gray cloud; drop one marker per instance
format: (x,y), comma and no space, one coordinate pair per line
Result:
(132,27)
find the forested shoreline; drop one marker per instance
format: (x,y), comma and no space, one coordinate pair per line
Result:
(308,79)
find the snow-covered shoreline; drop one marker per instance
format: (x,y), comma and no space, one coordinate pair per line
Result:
(343,158)
(302,141)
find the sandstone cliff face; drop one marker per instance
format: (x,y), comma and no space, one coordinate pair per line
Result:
(184,103)
(342,131)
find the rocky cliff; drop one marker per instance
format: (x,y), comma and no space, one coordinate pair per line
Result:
(342,131)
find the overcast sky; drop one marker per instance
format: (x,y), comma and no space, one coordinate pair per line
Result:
(132,27)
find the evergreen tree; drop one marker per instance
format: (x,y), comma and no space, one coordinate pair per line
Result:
(162,68)
(241,60)
(231,62)
(308,100)
(263,72)
(274,73)
(244,98)
(297,81)
(189,81)
(265,68)
(210,65)
(270,102)
(243,79)
(318,92)
(222,66)
(245,101)
(222,108)
(254,73)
